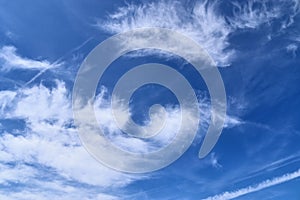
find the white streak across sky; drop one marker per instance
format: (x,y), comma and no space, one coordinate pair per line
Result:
(41,156)
(255,188)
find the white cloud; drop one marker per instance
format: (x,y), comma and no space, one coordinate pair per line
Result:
(43,190)
(6,98)
(265,184)
(49,144)
(292,48)
(10,35)
(9,59)
(171,126)
(205,115)
(214,161)
(275,165)
(71,162)
(50,140)
(254,13)
(106,197)
(18,174)
(203,21)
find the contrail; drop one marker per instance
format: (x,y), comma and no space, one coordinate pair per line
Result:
(250,189)
(273,166)
(58,61)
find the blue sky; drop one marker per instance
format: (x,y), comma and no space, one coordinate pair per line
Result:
(256,47)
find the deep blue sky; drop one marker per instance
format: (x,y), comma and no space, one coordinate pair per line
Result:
(256,46)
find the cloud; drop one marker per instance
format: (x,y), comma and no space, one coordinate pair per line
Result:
(172,123)
(49,144)
(214,161)
(250,189)
(163,137)
(10,35)
(5,98)
(292,48)
(9,59)
(20,173)
(254,13)
(51,139)
(270,167)
(57,189)
(205,114)
(202,21)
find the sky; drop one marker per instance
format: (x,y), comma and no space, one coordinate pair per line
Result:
(255,46)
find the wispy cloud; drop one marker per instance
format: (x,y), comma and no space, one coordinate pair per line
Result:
(272,166)
(57,189)
(254,13)
(9,60)
(265,184)
(203,21)
(292,48)
(5,98)
(171,127)
(49,141)
(214,161)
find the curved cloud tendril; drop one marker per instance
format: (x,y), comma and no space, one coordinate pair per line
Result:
(93,68)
